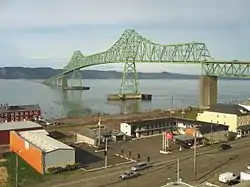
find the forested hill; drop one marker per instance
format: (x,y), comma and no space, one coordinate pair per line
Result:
(44,73)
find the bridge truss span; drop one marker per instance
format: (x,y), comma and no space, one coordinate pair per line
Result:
(133,47)
(227,69)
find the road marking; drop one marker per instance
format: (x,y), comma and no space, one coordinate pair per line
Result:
(157,163)
(86,180)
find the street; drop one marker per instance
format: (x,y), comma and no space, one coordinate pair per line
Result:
(210,161)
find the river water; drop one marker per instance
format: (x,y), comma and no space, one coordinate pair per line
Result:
(55,103)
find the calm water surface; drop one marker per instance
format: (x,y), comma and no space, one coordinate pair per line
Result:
(55,103)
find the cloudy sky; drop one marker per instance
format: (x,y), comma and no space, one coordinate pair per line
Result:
(45,33)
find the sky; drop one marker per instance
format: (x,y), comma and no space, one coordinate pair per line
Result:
(45,33)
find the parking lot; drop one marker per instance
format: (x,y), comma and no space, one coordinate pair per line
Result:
(88,158)
(210,163)
(121,152)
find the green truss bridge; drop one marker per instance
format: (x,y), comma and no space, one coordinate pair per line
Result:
(132,48)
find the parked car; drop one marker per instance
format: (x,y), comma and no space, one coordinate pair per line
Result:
(141,166)
(228,178)
(128,175)
(223,147)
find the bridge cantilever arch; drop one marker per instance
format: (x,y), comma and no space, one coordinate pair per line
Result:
(133,48)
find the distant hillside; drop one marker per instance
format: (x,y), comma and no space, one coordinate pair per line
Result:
(44,73)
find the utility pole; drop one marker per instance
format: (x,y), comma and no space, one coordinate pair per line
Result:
(195,153)
(99,130)
(17,165)
(172,105)
(106,152)
(167,142)
(178,170)
(163,141)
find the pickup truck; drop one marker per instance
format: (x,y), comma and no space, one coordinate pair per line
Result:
(128,175)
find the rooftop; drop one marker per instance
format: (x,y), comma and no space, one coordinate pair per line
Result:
(41,140)
(237,109)
(18,125)
(9,108)
(93,133)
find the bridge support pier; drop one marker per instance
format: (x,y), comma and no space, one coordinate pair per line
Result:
(64,82)
(129,89)
(208,90)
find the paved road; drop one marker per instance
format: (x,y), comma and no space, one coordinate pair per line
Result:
(211,163)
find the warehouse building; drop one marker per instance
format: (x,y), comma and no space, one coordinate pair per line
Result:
(19,113)
(41,151)
(236,116)
(5,129)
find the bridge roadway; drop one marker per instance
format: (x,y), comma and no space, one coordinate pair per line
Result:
(211,163)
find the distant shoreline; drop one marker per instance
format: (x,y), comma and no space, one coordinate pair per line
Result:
(11,73)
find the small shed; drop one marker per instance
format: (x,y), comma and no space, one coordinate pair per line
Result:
(118,136)
(41,151)
(5,129)
(90,136)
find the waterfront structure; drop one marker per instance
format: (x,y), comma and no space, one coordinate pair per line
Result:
(133,48)
(41,151)
(19,113)
(5,129)
(236,116)
(149,127)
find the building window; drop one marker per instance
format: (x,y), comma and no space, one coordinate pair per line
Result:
(31,113)
(16,114)
(26,113)
(35,112)
(12,114)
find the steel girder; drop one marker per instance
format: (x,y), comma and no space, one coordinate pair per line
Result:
(226,69)
(132,48)
(146,51)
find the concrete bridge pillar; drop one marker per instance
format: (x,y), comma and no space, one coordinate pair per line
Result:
(208,90)
(64,82)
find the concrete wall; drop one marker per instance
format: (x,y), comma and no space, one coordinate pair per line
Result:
(219,118)
(84,139)
(208,90)
(126,129)
(59,158)
(243,120)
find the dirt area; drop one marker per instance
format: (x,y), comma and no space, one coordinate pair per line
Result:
(3,176)
(74,124)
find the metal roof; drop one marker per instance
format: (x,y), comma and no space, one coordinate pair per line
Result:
(18,125)
(229,109)
(41,140)
(15,108)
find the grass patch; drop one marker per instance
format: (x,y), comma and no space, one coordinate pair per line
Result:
(192,114)
(27,175)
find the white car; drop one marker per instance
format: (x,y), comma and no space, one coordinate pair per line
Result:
(141,166)
(227,177)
